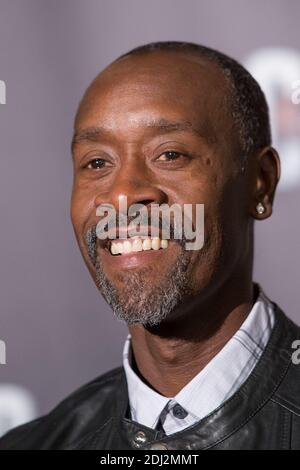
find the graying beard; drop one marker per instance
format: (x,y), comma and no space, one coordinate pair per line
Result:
(131,306)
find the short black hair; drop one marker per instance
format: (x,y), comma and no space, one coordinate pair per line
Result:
(248,105)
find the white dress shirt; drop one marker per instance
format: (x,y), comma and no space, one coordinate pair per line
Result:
(214,384)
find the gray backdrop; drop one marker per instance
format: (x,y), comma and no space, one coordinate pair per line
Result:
(57,330)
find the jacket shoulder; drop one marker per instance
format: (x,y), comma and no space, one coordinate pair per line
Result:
(86,409)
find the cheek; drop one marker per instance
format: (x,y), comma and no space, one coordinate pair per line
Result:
(75,208)
(80,210)
(209,263)
(212,199)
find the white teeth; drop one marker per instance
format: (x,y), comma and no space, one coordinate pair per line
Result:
(164,243)
(137,244)
(147,244)
(155,242)
(127,247)
(114,249)
(120,247)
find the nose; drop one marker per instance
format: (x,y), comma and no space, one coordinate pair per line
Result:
(134,183)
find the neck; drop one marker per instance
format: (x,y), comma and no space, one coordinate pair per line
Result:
(169,356)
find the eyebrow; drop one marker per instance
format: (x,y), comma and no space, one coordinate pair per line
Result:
(164,126)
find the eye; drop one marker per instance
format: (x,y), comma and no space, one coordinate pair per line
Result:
(96,164)
(169,156)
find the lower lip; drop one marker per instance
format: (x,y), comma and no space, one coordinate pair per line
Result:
(134,259)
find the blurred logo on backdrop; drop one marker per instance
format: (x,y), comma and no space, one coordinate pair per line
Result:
(17,406)
(277,70)
(2,92)
(2,352)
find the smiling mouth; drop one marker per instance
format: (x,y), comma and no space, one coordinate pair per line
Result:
(121,247)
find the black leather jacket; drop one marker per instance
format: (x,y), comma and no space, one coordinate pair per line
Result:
(263,414)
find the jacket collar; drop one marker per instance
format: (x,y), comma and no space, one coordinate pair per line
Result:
(119,432)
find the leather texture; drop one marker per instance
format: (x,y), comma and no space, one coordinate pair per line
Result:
(263,414)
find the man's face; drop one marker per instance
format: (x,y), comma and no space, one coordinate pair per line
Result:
(131,139)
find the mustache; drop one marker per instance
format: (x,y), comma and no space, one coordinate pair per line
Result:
(120,228)
(91,239)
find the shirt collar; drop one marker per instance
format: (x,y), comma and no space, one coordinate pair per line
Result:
(141,397)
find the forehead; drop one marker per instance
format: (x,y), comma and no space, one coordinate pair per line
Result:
(173,86)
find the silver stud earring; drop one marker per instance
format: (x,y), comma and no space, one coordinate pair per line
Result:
(260,208)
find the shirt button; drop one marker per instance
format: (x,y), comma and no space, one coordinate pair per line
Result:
(139,439)
(159,446)
(179,412)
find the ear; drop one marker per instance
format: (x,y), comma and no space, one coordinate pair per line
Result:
(266,177)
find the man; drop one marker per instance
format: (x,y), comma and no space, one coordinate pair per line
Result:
(207,363)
